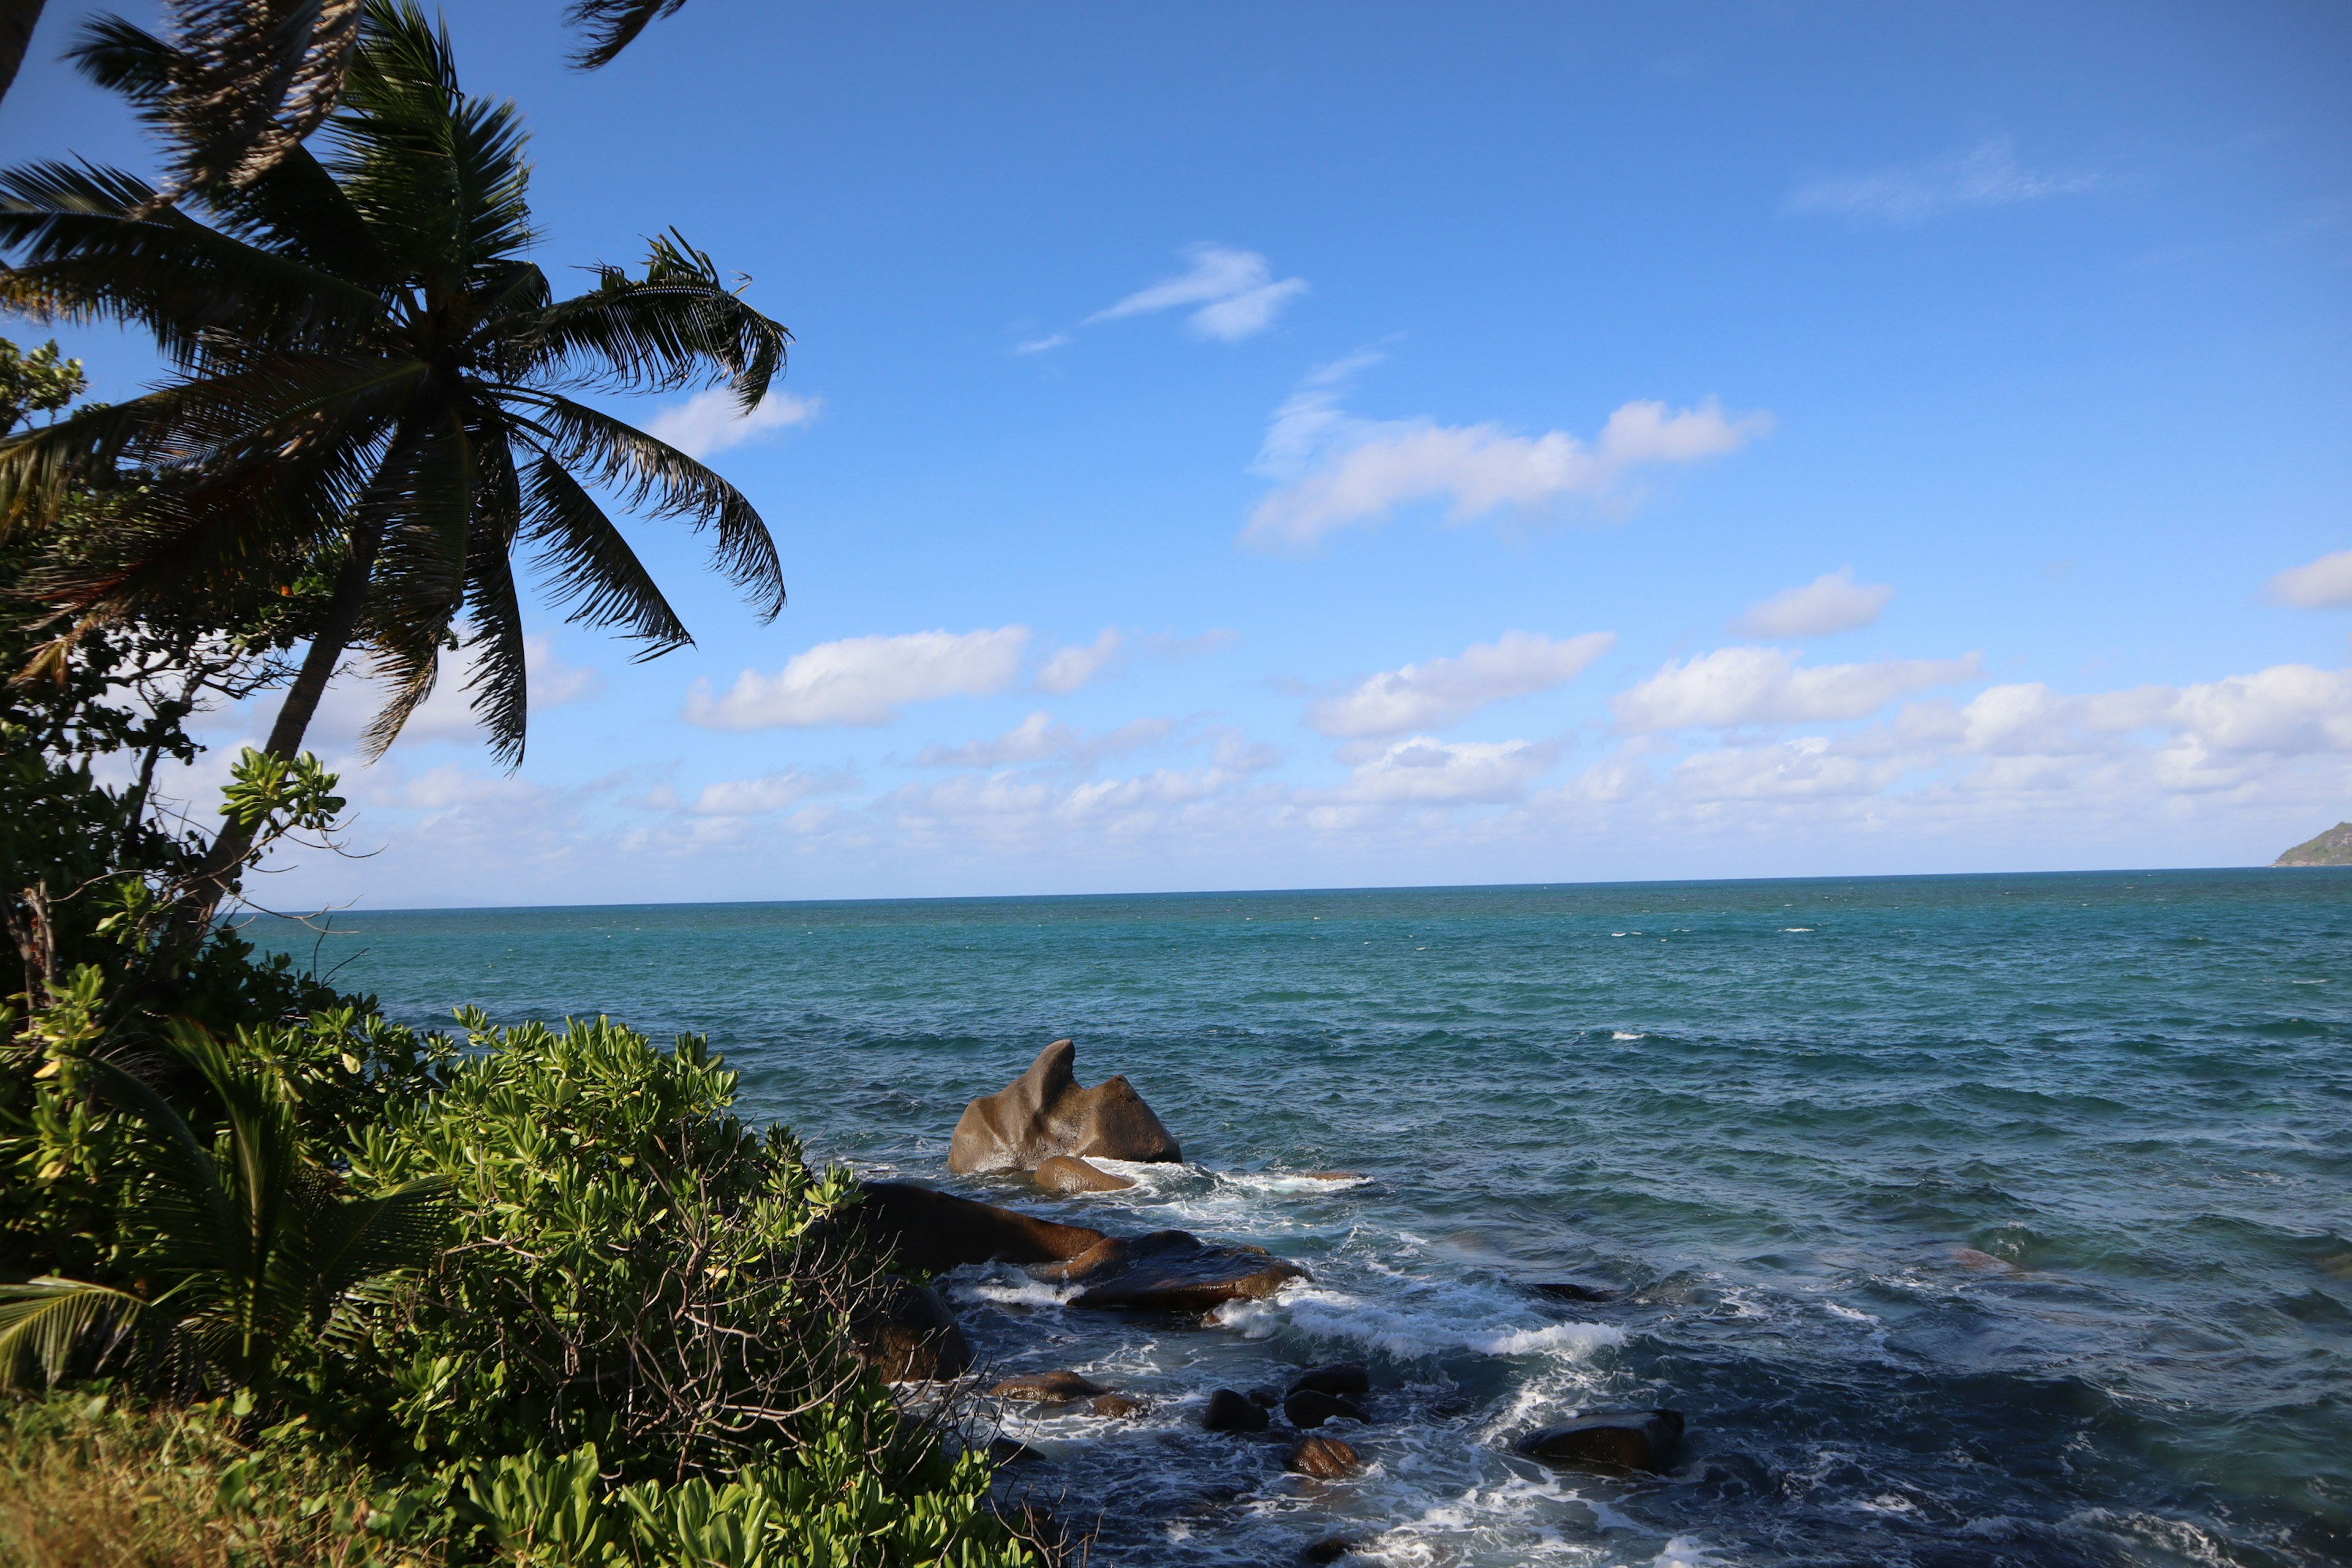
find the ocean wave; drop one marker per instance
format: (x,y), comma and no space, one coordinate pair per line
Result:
(1334,1314)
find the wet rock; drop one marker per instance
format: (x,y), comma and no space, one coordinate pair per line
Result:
(1068,1173)
(1265,1398)
(1331,1549)
(1612,1440)
(1573,1290)
(1327,1458)
(1229,1412)
(1308,1409)
(935,1231)
(1118,1406)
(1341,1377)
(1333,1175)
(1045,1111)
(1041,1387)
(907,1335)
(1004,1451)
(1171,1271)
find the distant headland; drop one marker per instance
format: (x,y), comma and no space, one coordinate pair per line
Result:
(2333,848)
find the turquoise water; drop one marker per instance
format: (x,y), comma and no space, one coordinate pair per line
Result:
(1968,1220)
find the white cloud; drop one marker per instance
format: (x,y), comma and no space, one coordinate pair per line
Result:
(2323,584)
(713,421)
(860,683)
(352,701)
(1236,291)
(1438,692)
(1039,345)
(1829,603)
(1038,738)
(1337,470)
(1987,175)
(451,785)
(1425,771)
(1763,686)
(1072,667)
(768,792)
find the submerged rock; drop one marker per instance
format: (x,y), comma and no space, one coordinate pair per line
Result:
(1572,1291)
(1331,1549)
(1039,1387)
(938,1231)
(1310,1408)
(1168,1271)
(1341,1377)
(1068,1173)
(907,1335)
(1118,1405)
(1045,1112)
(1229,1412)
(1612,1440)
(1327,1458)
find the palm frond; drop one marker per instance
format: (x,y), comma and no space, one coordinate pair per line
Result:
(42,1320)
(588,563)
(186,1163)
(424,502)
(499,682)
(661,332)
(357,1240)
(613,25)
(653,475)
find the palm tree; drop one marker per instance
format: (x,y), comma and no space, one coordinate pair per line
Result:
(372,386)
(254,1249)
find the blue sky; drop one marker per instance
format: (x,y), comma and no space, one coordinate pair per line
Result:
(1323,445)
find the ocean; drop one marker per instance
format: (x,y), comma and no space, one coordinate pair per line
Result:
(1968,1220)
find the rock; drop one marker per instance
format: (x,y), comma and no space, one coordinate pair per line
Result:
(1341,1377)
(1309,1408)
(1613,1441)
(1118,1406)
(1169,1271)
(907,1335)
(1003,1451)
(1265,1398)
(1333,1175)
(1229,1412)
(1040,1387)
(1327,1458)
(1068,1173)
(935,1232)
(1331,1549)
(1043,1112)
(1572,1291)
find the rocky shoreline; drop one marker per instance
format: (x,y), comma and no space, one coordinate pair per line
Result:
(1046,1126)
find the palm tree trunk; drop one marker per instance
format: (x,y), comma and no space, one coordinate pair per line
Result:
(18,20)
(227,857)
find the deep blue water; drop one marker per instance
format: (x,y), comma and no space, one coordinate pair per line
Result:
(1968,1220)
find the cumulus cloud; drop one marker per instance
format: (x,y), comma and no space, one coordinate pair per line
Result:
(1987,175)
(768,792)
(1829,603)
(861,682)
(1336,471)
(2323,584)
(352,701)
(1425,771)
(1437,692)
(1236,291)
(1734,686)
(713,421)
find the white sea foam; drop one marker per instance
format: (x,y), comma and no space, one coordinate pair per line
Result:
(1626,1035)
(1685,1552)
(1796,927)
(1335,1314)
(1001,1286)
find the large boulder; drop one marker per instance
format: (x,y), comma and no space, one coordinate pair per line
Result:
(1326,1459)
(1231,1412)
(907,1335)
(1169,1272)
(1044,1111)
(1068,1173)
(1310,1407)
(1611,1441)
(936,1231)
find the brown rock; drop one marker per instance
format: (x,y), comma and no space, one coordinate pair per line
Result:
(1229,1412)
(1341,1377)
(1310,1408)
(1068,1173)
(1612,1440)
(1039,1387)
(938,1231)
(1327,1458)
(1043,1112)
(1118,1406)
(907,1335)
(1171,1271)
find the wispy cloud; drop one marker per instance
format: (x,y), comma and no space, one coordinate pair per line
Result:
(1039,345)
(1234,293)
(1336,470)
(1738,686)
(1081,664)
(713,421)
(1437,692)
(2323,585)
(1829,603)
(1039,739)
(1987,175)
(762,795)
(861,682)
